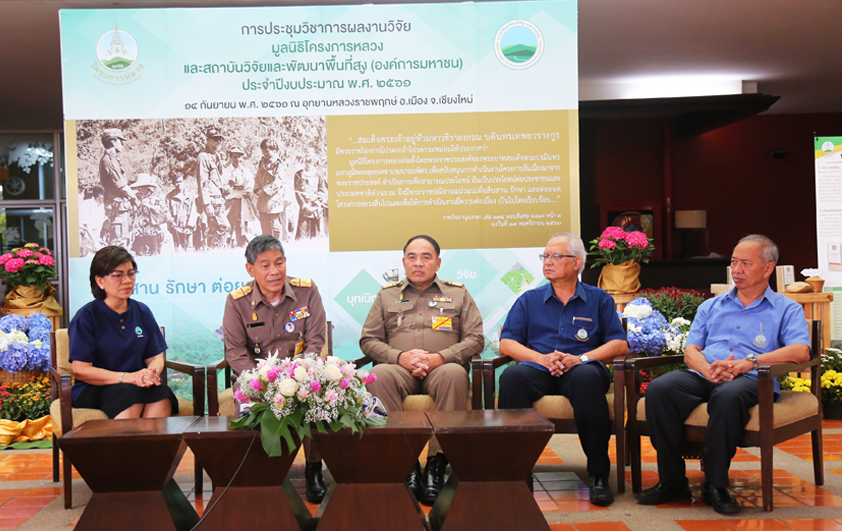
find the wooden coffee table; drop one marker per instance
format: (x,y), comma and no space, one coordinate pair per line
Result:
(370,473)
(491,453)
(129,464)
(259,493)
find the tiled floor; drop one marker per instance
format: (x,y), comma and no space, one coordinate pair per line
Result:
(560,492)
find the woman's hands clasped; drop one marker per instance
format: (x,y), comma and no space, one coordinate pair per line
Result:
(147,378)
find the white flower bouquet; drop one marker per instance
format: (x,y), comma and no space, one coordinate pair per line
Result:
(291,394)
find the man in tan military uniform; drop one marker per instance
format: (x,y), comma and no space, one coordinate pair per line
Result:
(422,333)
(209,181)
(275,312)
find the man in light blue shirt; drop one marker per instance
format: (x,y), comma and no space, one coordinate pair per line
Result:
(731,335)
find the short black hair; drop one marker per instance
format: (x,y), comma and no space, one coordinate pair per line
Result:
(261,244)
(105,261)
(433,242)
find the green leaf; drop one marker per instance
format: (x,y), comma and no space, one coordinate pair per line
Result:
(270,427)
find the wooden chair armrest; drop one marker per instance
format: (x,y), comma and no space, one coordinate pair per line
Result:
(218,365)
(476,381)
(636,364)
(489,386)
(770,371)
(65,401)
(186,368)
(359,363)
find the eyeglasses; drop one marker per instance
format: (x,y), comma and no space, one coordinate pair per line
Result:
(555,256)
(118,276)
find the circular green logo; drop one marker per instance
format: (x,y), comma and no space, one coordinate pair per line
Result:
(519,44)
(138,330)
(116,50)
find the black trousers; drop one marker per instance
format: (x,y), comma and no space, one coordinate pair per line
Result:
(585,386)
(669,401)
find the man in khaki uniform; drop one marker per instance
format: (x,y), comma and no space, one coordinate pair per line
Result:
(422,333)
(117,194)
(275,312)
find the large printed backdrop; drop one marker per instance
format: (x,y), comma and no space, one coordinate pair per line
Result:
(456,120)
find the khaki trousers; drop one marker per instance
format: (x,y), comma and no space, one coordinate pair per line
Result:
(447,385)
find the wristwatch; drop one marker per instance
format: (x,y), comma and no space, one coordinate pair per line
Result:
(583,358)
(752,358)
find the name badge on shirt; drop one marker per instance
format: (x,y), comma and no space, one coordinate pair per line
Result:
(442,323)
(255,325)
(300,313)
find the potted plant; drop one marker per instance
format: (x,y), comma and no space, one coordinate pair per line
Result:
(27,272)
(620,253)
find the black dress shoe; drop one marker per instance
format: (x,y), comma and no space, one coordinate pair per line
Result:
(665,492)
(600,492)
(721,499)
(433,478)
(314,487)
(413,481)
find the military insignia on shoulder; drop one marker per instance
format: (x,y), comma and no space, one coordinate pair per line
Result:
(452,283)
(392,284)
(301,282)
(239,293)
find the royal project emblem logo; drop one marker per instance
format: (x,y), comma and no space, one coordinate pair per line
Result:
(117,58)
(519,44)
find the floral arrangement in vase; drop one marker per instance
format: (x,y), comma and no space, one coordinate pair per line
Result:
(288,395)
(25,342)
(620,254)
(30,265)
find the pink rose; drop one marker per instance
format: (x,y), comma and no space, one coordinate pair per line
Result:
(607,244)
(316,386)
(272,374)
(240,397)
(256,385)
(14,265)
(344,383)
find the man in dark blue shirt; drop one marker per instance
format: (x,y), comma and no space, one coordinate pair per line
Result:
(563,334)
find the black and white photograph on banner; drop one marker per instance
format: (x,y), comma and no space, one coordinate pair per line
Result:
(202,186)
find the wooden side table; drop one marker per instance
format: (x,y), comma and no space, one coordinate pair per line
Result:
(621,299)
(259,492)
(370,474)
(129,464)
(491,453)
(816,306)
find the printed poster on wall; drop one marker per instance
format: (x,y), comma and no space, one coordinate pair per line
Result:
(343,130)
(828,156)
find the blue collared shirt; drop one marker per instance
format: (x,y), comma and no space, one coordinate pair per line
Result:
(541,322)
(723,326)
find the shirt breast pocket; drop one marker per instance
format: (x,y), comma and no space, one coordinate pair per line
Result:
(447,310)
(396,315)
(584,330)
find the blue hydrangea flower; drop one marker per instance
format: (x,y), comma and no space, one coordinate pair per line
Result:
(13,358)
(12,322)
(37,358)
(39,319)
(39,333)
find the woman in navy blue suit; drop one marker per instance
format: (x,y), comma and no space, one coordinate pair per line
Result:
(116,346)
